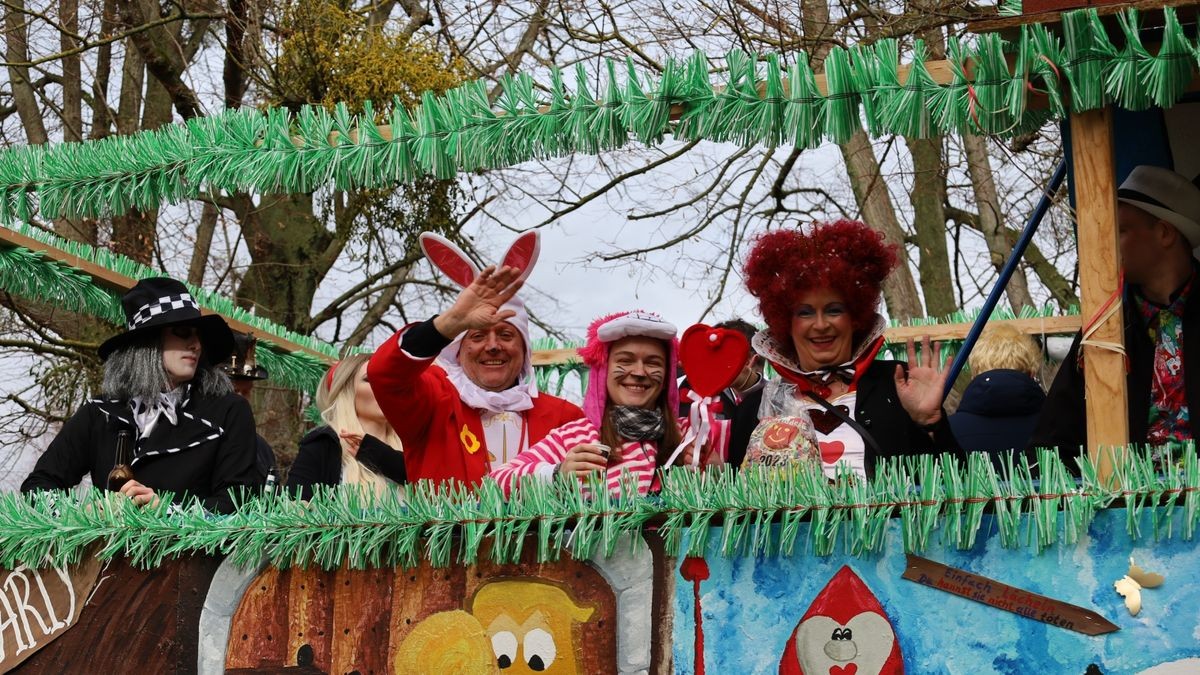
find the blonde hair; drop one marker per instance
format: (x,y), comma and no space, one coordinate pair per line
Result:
(335,400)
(1003,346)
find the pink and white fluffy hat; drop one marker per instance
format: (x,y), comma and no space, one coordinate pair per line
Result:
(608,329)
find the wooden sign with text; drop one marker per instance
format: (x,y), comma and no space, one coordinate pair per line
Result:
(39,605)
(1008,598)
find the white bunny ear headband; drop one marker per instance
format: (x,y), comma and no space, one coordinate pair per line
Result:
(454,263)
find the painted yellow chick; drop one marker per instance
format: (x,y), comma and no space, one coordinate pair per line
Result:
(530,625)
(446,642)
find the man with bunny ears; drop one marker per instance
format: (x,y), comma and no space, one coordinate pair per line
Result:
(478,406)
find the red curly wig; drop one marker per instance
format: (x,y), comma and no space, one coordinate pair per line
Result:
(846,256)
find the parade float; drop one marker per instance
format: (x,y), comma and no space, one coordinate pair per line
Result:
(934,565)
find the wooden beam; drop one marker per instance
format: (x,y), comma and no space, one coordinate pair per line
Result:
(1099,265)
(101,275)
(1151,15)
(119,283)
(555,357)
(1051,325)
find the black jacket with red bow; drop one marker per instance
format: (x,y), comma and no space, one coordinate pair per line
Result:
(877,409)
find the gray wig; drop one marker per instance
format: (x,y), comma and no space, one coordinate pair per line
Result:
(136,370)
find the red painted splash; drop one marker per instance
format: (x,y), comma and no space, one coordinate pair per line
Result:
(695,570)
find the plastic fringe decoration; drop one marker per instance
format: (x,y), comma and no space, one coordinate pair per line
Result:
(460,131)
(38,277)
(939,501)
(34,276)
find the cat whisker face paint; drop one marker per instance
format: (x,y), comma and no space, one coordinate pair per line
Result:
(637,368)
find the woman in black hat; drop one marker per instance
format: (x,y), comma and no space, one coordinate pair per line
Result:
(168,420)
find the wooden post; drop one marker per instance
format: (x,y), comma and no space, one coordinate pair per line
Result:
(1099,265)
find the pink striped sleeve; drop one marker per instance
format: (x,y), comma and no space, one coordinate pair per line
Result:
(636,460)
(545,453)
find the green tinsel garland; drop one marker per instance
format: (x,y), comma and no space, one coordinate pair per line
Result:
(276,151)
(31,275)
(37,277)
(760,512)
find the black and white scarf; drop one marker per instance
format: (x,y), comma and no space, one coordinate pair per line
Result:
(147,412)
(638,424)
(827,374)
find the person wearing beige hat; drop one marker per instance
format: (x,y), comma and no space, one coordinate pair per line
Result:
(1158,219)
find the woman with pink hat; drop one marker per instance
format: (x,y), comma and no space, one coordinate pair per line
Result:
(630,405)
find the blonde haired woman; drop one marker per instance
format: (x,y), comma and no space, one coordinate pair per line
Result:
(356,446)
(1000,406)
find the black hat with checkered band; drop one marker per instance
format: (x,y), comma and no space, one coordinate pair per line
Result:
(155,303)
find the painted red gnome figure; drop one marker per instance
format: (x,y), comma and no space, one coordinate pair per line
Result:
(844,632)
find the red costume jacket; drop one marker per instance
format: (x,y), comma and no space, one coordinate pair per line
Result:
(443,437)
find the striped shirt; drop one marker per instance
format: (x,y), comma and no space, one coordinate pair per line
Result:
(635,458)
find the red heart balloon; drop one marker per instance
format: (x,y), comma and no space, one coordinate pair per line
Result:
(712,357)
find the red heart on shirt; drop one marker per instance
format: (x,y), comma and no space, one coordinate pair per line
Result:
(848,669)
(831,451)
(712,358)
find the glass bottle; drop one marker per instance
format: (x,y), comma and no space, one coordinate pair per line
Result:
(121,472)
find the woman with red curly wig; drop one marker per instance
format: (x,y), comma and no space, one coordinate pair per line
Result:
(819,292)
(630,429)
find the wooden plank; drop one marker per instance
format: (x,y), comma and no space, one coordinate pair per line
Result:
(143,620)
(258,636)
(310,615)
(1050,325)
(420,592)
(1096,215)
(101,275)
(119,283)
(362,603)
(1052,18)
(555,357)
